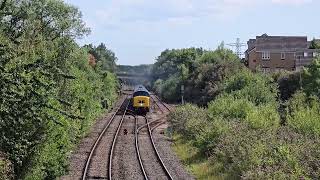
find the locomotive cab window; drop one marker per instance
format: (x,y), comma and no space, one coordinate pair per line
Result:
(141,93)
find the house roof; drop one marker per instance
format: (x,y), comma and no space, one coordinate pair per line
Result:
(285,43)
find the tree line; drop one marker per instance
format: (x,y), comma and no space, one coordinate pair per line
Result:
(243,124)
(50,92)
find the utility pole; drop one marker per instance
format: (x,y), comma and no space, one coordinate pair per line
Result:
(238,45)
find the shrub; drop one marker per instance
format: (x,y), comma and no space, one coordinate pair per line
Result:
(311,78)
(192,122)
(5,168)
(257,88)
(258,154)
(229,108)
(288,82)
(304,114)
(188,120)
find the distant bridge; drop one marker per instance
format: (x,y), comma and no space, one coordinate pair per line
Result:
(133,79)
(131,75)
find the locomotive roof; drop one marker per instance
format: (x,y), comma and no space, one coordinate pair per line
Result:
(140,88)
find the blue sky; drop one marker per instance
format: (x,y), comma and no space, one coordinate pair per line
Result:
(139,30)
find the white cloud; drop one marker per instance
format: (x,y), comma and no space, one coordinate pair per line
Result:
(292,2)
(121,13)
(180,11)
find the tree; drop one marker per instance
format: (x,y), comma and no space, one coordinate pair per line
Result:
(311,78)
(314,44)
(48,92)
(106,59)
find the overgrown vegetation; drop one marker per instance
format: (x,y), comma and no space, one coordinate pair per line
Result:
(5,168)
(201,72)
(49,93)
(254,125)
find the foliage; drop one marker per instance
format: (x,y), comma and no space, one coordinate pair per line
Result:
(172,67)
(257,88)
(170,89)
(104,57)
(195,161)
(170,61)
(235,150)
(229,107)
(5,168)
(314,44)
(188,120)
(49,94)
(201,72)
(311,78)
(213,68)
(304,113)
(288,83)
(258,154)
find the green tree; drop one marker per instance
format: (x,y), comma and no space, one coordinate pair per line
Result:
(106,59)
(49,95)
(314,44)
(213,67)
(311,78)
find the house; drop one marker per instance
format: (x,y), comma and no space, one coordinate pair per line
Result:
(276,53)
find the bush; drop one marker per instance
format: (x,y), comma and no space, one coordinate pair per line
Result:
(192,122)
(201,72)
(229,108)
(288,82)
(5,168)
(311,78)
(257,88)
(304,114)
(258,154)
(188,120)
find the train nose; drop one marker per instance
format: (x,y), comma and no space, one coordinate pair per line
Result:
(141,103)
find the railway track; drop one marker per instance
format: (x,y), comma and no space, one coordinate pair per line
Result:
(157,101)
(85,174)
(165,171)
(137,153)
(150,129)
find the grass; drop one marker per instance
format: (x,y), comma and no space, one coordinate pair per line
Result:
(196,163)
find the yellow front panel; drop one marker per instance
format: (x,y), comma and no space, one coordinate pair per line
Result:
(141,101)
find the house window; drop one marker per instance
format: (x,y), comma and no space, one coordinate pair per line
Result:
(279,69)
(266,55)
(283,56)
(265,70)
(305,54)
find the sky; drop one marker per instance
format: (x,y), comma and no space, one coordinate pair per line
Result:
(139,30)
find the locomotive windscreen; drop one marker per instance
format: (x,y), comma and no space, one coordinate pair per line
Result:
(141,93)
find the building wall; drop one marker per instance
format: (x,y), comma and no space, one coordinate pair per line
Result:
(274,63)
(253,62)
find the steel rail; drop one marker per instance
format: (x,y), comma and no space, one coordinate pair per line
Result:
(114,141)
(138,150)
(151,122)
(159,100)
(93,149)
(157,104)
(156,151)
(157,125)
